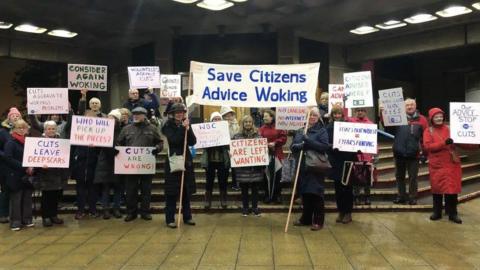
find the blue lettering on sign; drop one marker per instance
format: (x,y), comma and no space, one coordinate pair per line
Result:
(266,94)
(223,76)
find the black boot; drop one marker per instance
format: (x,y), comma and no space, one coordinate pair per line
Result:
(437,207)
(208,200)
(451,201)
(223,199)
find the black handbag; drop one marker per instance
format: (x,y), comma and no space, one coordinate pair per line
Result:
(317,162)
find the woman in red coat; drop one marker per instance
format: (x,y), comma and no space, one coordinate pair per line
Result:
(276,140)
(444,166)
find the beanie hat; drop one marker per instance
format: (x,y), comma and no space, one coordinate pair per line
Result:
(226,109)
(13,110)
(115,113)
(215,114)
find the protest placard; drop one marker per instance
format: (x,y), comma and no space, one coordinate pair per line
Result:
(135,160)
(290,118)
(358,89)
(211,134)
(255,85)
(351,137)
(144,77)
(90,77)
(465,122)
(170,85)
(92,131)
(394,113)
(249,152)
(47,100)
(335,96)
(46,152)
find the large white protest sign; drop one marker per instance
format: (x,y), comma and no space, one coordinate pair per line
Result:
(394,113)
(290,118)
(358,89)
(211,134)
(92,131)
(170,85)
(88,77)
(335,96)
(351,137)
(255,85)
(144,77)
(46,152)
(47,100)
(465,122)
(249,152)
(135,160)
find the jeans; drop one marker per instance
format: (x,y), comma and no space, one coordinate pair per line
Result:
(20,207)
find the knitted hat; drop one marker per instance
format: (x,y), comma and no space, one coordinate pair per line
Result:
(13,110)
(215,114)
(226,109)
(115,113)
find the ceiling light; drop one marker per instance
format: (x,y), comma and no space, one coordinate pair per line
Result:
(239,1)
(5,25)
(30,29)
(362,30)
(186,1)
(453,11)
(215,4)
(420,18)
(391,24)
(62,33)
(476,5)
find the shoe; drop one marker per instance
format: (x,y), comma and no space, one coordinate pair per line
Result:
(316,227)
(15,228)
(299,223)
(455,219)
(412,202)
(146,216)
(223,199)
(190,222)
(117,213)
(4,220)
(256,212)
(236,188)
(339,218)
(130,217)
(367,201)
(47,222)
(106,214)
(172,225)
(208,200)
(94,214)
(28,224)
(435,216)
(399,201)
(245,212)
(79,215)
(57,220)
(347,218)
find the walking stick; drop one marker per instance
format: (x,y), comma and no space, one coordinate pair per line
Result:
(296,177)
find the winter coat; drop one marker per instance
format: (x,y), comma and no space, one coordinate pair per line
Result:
(233,127)
(13,165)
(316,139)
(53,178)
(249,174)
(205,159)
(149,105)
(175,134)
(63,127)
(140,134)
(279,137)
(83,161)
(408,138)
(364,156)
(337,158)
(104,171)
(4,138)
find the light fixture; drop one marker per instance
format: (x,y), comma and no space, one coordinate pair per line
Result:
(5,25)
(186,1)
(215,4)
(365,29)
(62,33)
(476,5)
(239,1)
(30,29)
(420,18)
(453,11)
(391,24)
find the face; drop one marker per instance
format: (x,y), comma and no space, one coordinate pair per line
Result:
(124,117)
(228,116)
(248,124)
(438,119)
(179,116)
(55,117)
(138,118)
(14,117)
(267,118)
(361,113)
(410,106)
(50,131)
(324,100)
(216,119)
(94,105)
(337,116)
(133,94)
(314,117)
(21,130)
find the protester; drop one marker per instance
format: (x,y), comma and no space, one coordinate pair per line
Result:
(94,104)
(229,115)
(323,107)
(104,173)
(57,118)
(174,130)
(343,193)
(407,149)
(52,182)
(17,178)
(444,166)
(134,101)
(5,129)
(125,119)
(276,140)
(249,177)
(215,160)
(311,184)
(139,133)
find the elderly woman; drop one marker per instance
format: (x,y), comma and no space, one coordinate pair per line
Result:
(311,184)
(20,189)
(52,181)
(229,115)
(249,177)
(323,107)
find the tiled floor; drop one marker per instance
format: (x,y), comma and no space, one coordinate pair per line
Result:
(229,241)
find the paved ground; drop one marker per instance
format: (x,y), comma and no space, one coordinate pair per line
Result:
(229,241)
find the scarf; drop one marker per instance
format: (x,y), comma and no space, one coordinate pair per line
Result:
(18,137)
(248,134)
(413,117)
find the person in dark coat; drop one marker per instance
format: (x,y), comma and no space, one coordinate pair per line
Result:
(104,173)
(52,182)
(343,193)
(311,184)
(151,103)
(323,108)
(19,188)
(174,130)
(249,177)
(140,134)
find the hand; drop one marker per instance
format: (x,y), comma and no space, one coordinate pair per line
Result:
(297,147)
(448,141)
(186,123)
(116,151)
(29,171)
(335,150)
(84,93)
(45,167)
(155,151)
(149,90)
(271,145)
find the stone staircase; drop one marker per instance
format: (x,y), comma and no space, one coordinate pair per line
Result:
(383,191)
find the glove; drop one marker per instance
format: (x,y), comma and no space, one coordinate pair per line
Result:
(297,147)
(155,151)
(116,151)
(304,138)
(335,150)
(448,141)
(359,152)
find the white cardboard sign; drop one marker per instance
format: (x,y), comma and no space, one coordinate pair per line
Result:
(90,77)
(394,113)
(171,85)
(358,89)
(335,95)
(290,118)
(211,134)
(135,160)
(249,152)
(47,100)
(49,152)
(92,131)
(144,77)
(465,122)
(351,137)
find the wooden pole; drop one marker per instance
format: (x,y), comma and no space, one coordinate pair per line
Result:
(296,177)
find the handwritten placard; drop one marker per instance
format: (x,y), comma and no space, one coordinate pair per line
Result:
(351,137)
(335,96)
(249,152)
(358,89)
(211,134)
(393,113)
(290,118)
(92,131)
(47,100)
(465,122)
(135,160)
(46,152)
(90,77)
(144,77)
(171,85)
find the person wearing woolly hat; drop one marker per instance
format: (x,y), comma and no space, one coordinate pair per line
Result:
(116,114)
(229,115)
